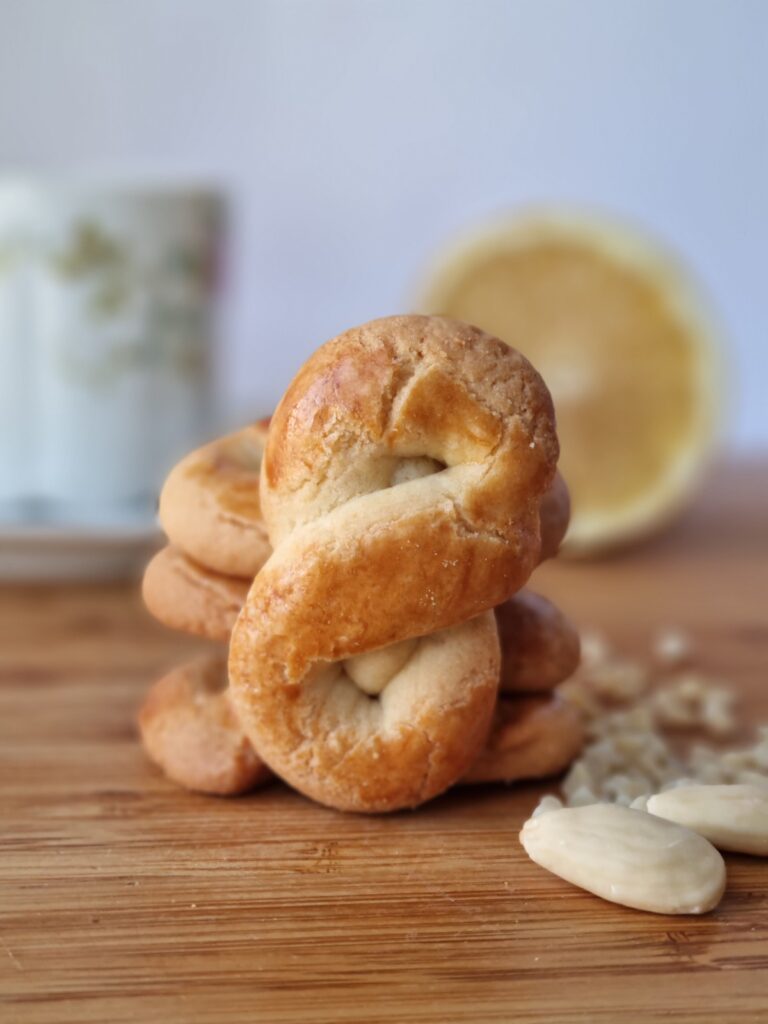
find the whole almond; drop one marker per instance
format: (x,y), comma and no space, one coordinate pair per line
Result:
(731,817)
(628,857)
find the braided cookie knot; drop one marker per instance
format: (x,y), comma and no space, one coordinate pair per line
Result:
(401,487)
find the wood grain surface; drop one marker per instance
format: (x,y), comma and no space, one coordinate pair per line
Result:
(126,899)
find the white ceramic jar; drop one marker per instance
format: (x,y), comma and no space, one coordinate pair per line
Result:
(16,432)
(105,342)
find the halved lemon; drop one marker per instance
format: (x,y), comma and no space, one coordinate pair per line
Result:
(621,336)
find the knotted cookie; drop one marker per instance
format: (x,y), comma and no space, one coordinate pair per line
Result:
(407,487)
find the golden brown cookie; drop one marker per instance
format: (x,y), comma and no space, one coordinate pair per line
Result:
(209,504)
(183,595)
(539,646)
(531,738)
(367,556)
(190,730)
(210,508)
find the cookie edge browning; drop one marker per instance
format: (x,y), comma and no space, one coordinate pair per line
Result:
(531,738)
(183,595)
(195,520)
(554,517)
(192,733)
(540,648)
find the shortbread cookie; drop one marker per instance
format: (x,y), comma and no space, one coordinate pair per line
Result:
(210,508)
(555,515)
(539,646)
(190,730)
(183,595)
(531,738)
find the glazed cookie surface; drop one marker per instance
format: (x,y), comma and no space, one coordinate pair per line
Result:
(370,555)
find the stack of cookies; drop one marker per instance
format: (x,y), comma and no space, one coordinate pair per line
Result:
(359,563)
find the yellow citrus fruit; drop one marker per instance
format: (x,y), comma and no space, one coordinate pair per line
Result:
(620,336)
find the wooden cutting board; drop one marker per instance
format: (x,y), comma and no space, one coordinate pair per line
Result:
(126,899)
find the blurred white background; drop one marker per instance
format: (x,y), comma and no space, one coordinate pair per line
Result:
(358,136)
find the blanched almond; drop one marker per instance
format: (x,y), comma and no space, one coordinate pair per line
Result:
(628,857)
(731,817)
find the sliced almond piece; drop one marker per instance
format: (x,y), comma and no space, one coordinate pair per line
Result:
(628,857)
(731,817)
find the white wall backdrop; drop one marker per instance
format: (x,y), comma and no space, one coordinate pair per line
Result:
(355,136)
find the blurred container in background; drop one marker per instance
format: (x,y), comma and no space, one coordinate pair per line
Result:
(16,469)
(107,319)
